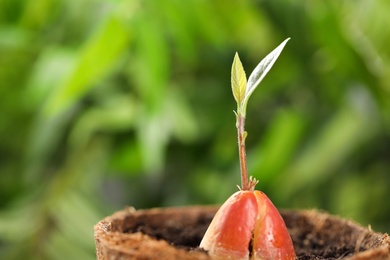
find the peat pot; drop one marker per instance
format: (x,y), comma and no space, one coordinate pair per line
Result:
(175,233)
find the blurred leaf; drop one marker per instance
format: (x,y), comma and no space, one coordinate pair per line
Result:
(329,149)
(150,72)
(277,148)
(57,242)
(97,57)
(13,37)
(74,216)
(118,114)
(180,26)
(45,136)
(37,13)
(17,223)
(181,117)
(51,68)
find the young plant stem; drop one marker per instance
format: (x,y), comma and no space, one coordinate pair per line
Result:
(245,185)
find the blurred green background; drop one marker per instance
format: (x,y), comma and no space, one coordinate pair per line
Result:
(112,103)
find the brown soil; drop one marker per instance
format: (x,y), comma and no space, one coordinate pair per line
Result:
(175,233)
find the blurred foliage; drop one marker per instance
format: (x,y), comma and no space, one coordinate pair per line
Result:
(107,103)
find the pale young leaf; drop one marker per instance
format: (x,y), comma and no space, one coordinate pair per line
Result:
(260,71)
(244,135)
(238,80)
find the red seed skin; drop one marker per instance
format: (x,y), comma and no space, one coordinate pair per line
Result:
(271,240)
(230,231)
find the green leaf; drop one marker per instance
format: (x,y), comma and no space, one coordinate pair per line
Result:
(96,58)
(323,156)
(277,148)
(259,73)
(238,81)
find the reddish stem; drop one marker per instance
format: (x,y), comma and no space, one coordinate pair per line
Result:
(242,153)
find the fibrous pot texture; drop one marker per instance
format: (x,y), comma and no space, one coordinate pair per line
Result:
(175,233)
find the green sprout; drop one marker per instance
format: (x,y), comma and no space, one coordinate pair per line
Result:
(242,90)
